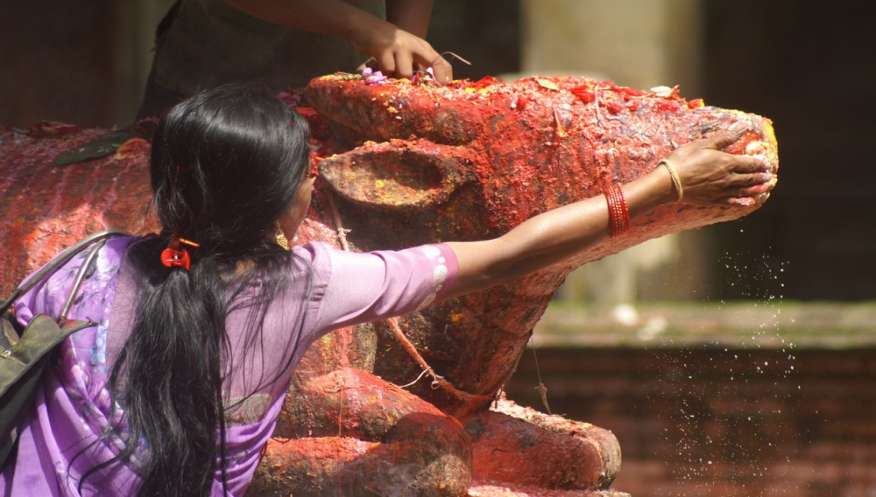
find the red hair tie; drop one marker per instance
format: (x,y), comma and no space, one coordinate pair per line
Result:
(175,255)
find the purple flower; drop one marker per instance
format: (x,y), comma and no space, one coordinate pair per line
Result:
(376,78)
(371,76)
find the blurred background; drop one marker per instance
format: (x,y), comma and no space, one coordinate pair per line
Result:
(737,360)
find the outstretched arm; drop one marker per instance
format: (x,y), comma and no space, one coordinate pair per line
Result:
(709,176)
(396,50)
(362,287)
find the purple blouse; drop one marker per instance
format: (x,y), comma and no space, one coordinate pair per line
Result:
(72,406)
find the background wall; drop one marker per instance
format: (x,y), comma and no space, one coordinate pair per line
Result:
(689,428)
(82,62)
(811,69)
(739,399)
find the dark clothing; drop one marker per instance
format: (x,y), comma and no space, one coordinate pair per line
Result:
(202,44)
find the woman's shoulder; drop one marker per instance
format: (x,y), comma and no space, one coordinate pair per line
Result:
(312,256)
(48,295)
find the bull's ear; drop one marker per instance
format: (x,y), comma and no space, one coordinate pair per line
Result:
(410,174)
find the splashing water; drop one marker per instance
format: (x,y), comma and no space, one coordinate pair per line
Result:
(730,424)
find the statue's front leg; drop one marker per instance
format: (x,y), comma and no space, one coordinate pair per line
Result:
(521,446)
(350,433)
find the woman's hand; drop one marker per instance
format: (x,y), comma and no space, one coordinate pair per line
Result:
(399,52)
(711,176)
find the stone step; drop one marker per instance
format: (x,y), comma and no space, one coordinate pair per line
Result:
(494,489)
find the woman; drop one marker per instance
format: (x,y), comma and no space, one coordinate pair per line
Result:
(179,386)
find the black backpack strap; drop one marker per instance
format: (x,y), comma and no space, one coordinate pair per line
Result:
(55,264)
(23,357)
(80,275)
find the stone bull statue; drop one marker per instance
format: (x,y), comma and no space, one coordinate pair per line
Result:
(404,163)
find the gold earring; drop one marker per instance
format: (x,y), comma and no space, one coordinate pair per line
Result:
(281,239)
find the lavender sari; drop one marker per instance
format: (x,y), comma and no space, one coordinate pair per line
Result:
(60,435)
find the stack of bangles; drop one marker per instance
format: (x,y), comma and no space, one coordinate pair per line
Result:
(618,215)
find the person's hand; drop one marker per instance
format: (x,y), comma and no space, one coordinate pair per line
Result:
(400,53)
(710,176)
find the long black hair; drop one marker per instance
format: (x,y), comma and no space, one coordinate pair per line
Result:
(225,165)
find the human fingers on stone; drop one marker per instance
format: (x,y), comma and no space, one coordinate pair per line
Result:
(404,64)
(751,191)
(744,180)
(443,70)
(749,164)
(386,61)
(741,201)
(428,57)
(724,139)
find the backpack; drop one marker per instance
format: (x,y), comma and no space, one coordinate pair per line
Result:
(25,353)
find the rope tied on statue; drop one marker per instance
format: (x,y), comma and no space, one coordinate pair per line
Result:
(438,381)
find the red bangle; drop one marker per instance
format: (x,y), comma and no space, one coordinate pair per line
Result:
(618,215)
(624,210)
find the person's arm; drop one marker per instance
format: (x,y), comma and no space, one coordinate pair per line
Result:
(364,286)
(329,17)
(709,176)
(395,50)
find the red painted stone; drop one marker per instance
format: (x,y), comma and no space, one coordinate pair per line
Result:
(464,162)
(409,164)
